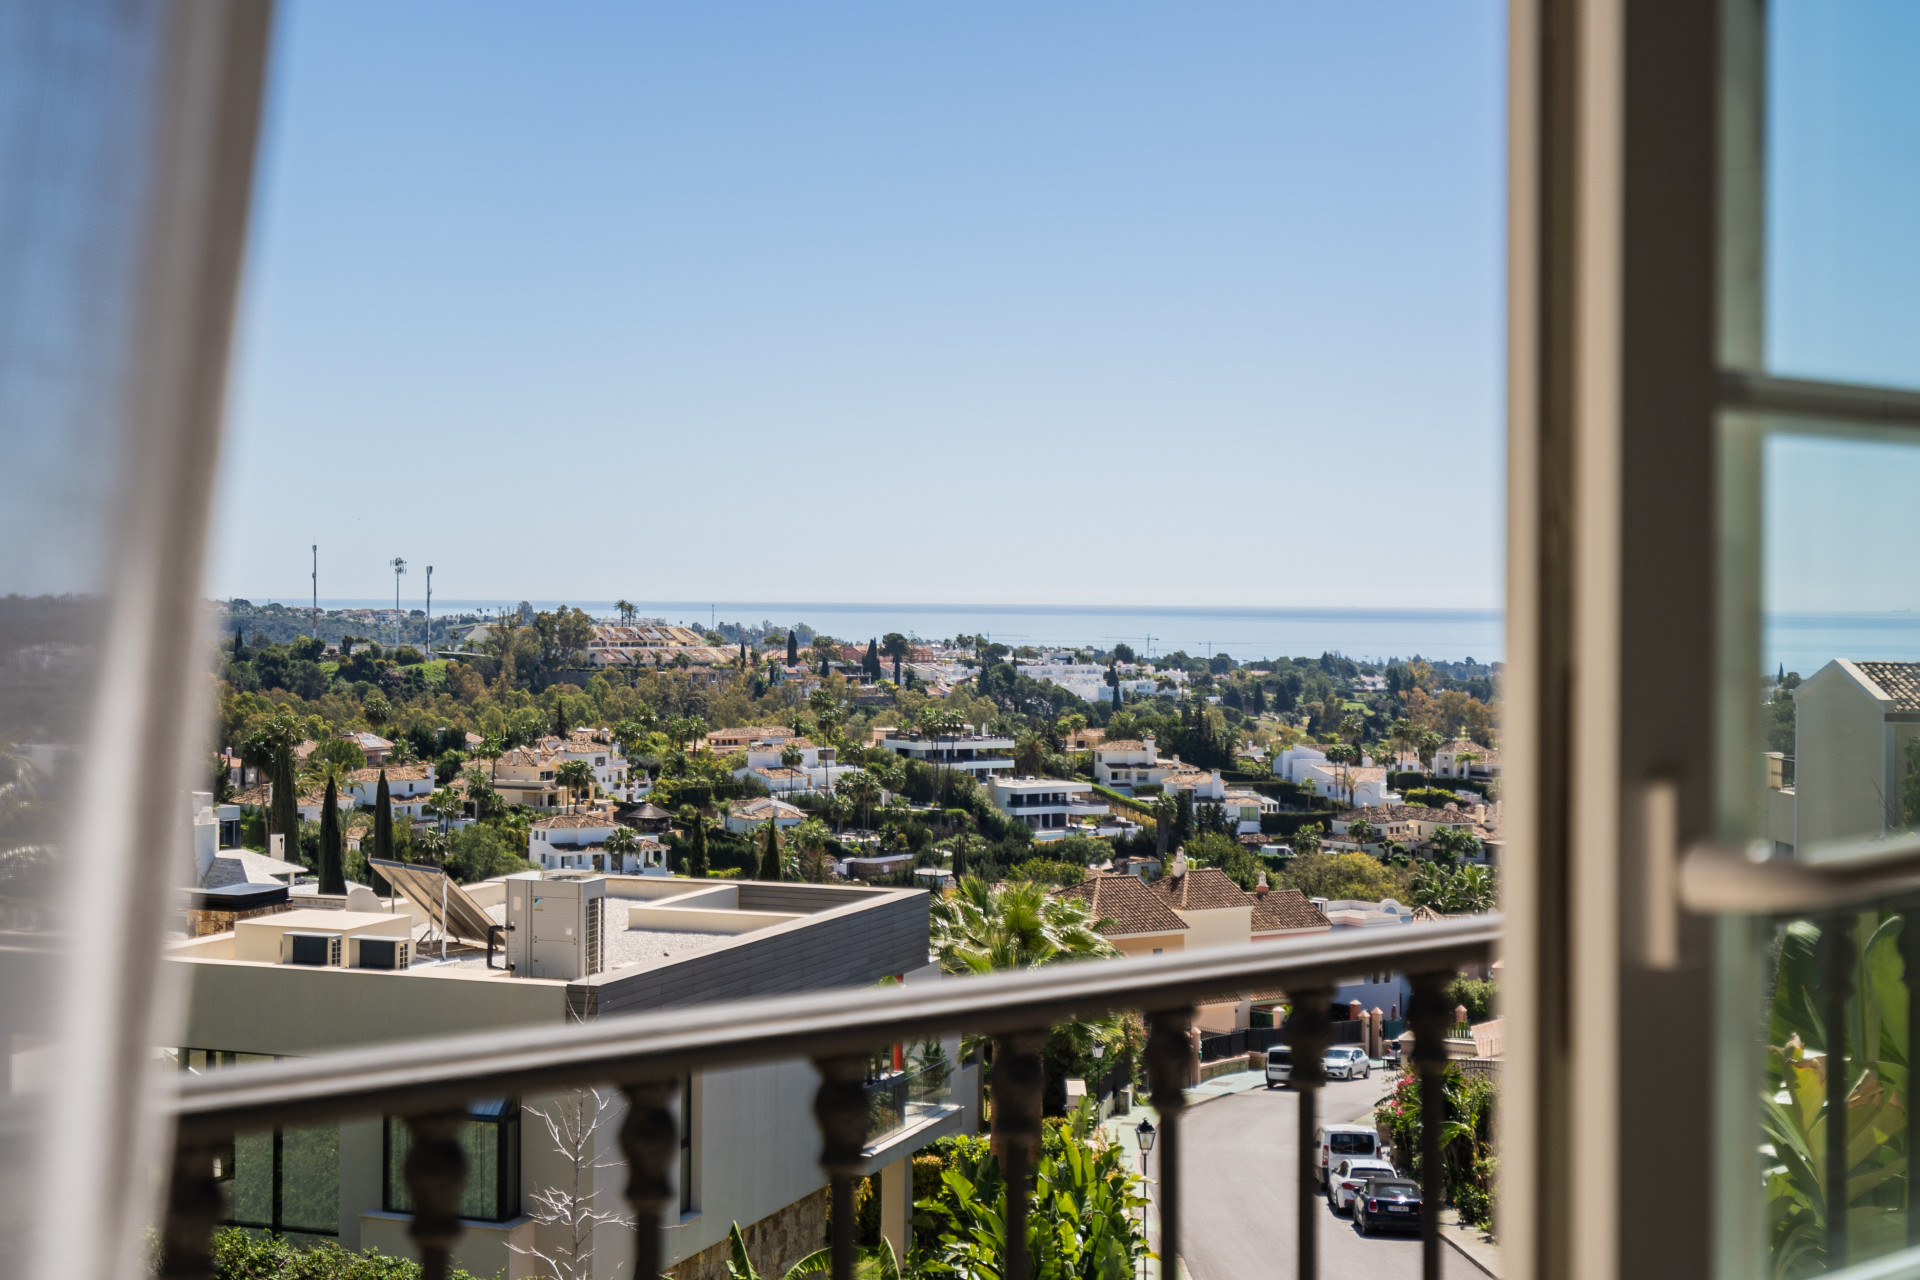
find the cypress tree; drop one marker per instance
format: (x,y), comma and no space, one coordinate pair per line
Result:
(332,849)
(825,670)
(560,717)
(770,856)
(383,820)
(697,854)
(793,649)
(283,806)
(959,859)
(871,663)
(1183,817)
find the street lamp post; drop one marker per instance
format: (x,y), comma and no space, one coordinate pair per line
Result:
(399,567)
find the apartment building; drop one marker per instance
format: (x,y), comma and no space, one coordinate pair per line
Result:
(979,755)
(525,775)
(291,982)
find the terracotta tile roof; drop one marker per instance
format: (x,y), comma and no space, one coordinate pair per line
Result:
(395,773)
(1124,905)
(574,821)
(781,772)
(765,806)
(1380,813)
(1284,909)
(1202,889)
(1122,744)
(1898,680)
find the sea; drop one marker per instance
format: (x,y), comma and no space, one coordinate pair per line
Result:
(1801,642)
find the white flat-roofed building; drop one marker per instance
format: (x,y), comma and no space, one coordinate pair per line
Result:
(1047,805)
(795,767)
(1126,763)
(578,842)
(979,754)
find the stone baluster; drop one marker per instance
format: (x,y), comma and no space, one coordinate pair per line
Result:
(436,1172)
(650,1140)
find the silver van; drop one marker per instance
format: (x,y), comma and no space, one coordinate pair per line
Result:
(1279,1066)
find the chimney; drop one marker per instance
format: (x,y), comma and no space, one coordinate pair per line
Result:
(1180,861)
(1260,890)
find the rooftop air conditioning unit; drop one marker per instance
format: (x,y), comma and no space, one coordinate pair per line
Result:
(382,953)
(556,928)
(302,947)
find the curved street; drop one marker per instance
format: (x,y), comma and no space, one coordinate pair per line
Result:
(1239,1161)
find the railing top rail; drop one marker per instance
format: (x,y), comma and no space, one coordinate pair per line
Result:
(419,1076)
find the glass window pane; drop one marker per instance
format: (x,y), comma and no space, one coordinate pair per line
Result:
(252,1184)
(1841,680)
(1843,181)
(310,1179)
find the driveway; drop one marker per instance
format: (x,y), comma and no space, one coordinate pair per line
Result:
(1239,1189)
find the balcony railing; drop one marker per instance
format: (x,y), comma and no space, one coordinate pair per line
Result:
(430,1083)
(901,1099)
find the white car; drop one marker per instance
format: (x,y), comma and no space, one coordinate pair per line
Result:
(1279,1066)
(1350,1178)
(1337,1142)
(1347,1063)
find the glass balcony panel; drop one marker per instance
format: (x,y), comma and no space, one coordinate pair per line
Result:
(310,1179)
(1843,179)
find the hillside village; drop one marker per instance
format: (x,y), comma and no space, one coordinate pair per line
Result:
(626,745)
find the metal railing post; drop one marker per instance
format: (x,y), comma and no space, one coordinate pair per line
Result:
(650,1140)
(1019,1082)
(193,1213)
(1309,1035)
(1169,1065)
(436,1171)
(1429,1016)
(1837,960)
(840,1109)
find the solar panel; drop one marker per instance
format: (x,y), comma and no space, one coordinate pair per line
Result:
(427,888)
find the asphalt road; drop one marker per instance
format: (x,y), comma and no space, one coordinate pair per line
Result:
(1239,1191)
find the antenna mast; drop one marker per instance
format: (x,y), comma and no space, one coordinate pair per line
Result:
(313,619)
(429,613)
(399,567)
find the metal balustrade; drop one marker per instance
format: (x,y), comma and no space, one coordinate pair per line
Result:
(431,1082)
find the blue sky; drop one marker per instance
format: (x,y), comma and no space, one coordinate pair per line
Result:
(1055,304)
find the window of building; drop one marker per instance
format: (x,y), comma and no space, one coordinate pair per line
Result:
(285,1181)
(686,1146)
(491,1139)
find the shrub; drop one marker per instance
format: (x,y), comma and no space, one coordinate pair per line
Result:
(1477,994)
(242,1255)
(1047,871)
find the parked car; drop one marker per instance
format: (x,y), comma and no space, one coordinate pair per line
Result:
(1339,1142)
(1347,1063)
(1350,1177)
(1279,1066)
(1387,1204)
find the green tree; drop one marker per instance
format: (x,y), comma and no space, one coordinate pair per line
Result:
(862,792)
(339,751)
(1342,875)
(1306,841)
(793,649)
(332,848)
(870,664)
(1455,844)
(383,820)
(283,812)
(897,647)
(696,824)
(480,853)
(770,852)
(810,839)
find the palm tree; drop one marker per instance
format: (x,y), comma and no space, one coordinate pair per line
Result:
(862,792)
(1427,745)
(625,609)
(810,839)
(444,805)
(622,842)
(981,928)
(577,777)
(1344,755)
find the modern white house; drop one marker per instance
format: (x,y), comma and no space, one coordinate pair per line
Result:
(1124,764)
(979,755)
(288,983)
(1047,805)
(814,768)
(578,842)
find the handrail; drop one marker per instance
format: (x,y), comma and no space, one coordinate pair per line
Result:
(1807,398)
(414,1076)
(1716,878)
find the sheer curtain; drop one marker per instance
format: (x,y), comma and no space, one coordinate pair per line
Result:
(127,134)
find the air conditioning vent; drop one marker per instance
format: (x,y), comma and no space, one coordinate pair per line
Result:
(384,953)
(596,923)
(318,949)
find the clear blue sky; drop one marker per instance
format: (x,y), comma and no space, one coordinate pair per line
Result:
(985,302)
